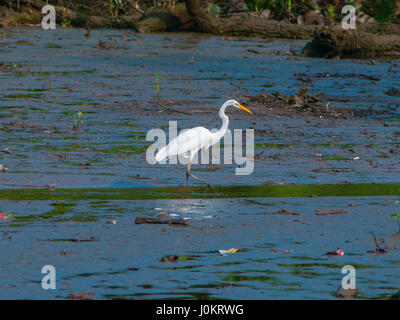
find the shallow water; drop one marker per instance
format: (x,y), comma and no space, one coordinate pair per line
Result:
(47,77)
(60,73)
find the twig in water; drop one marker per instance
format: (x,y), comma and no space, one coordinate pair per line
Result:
(378,248)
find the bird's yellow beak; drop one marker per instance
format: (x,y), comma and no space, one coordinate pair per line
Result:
(243,108)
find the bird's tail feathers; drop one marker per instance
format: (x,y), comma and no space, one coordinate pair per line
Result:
(162,154)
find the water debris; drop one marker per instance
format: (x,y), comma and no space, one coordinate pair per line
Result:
(163,214)
(329,211)
(284,212)
(169,258)
(346,293)
(112,221)
(396,296)
(5,69)
(303,104)
(378,249)
(81,296)
(92,238)
(229,251)
(172,222)
(6,150)
(393,92)
(277,183)
(3,169)
(286,251)
(106,45)
(338,252)
(6,215)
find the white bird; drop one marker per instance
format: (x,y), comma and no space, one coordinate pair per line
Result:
(190,141)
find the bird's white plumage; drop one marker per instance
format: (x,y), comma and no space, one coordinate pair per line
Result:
(187,143)
(190,141)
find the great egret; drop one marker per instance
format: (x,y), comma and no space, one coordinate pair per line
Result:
(190,141)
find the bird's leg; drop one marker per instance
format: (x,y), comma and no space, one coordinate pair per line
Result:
(188,173)
(205,182)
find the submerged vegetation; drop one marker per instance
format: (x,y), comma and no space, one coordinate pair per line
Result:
(266,191)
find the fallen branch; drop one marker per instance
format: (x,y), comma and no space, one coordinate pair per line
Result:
(329,211)
(173,222)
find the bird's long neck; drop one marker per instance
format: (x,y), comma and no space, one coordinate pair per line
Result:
(225,122)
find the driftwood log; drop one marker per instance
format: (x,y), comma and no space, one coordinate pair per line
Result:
(339,43)
(176,17)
